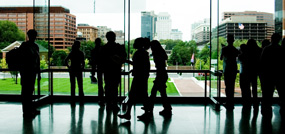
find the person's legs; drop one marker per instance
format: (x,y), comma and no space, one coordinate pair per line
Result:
(100,87)
(230,87)
(72,84)
(245,90)
(80,83)
(267,94)
(254,90)
(28,83)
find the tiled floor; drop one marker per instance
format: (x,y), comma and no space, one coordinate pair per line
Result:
(63,118)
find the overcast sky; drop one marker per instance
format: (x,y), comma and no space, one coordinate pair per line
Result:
(183,12)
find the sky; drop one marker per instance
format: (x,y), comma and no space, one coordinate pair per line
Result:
(183,12)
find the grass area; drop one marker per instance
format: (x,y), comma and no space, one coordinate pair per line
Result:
(61,86)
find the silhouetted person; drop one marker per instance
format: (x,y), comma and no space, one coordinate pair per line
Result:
(76,58)
(244,73)
(141,67)
(30,68)
(160,59)
(265,43)
(113,56)
(96,66)
(272,59)
(254,53)
(229,55)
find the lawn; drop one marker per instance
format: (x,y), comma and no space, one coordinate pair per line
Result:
(61,86)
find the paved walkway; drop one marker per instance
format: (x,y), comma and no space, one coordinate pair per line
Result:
(188,87)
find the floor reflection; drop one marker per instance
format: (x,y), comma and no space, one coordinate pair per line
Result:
(89,118)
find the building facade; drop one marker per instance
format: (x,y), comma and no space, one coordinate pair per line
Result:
(88,32)
(200,31)
(260,17)
(62,23)
(243,28)
(148,24)
(163,26)
(176,34)
(102,30)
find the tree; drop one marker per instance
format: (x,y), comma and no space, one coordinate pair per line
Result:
(3,63)
(9,32)
(86,48)
(182,52)
(169,43)
(46,45)
(58,58)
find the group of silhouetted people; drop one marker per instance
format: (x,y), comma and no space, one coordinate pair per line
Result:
(265,63)
(107,61)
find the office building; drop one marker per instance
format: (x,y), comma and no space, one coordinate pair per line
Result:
(200,31)
(243,27)
(62,24)
(88,32)
(260,17)
(176,34)
(102,30)
(148,24)
(163,26)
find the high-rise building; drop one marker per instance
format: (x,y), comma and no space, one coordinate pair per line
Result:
(176,34)
(260,17)
(163,26)
(148,24)
(62,23)
(243,27)
(200,31)
(102,30)
(88,32)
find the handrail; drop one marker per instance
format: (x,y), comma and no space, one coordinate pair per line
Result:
(89,70)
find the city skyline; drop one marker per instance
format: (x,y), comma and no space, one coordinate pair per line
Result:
(183,12)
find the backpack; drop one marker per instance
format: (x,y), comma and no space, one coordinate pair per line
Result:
(13,59)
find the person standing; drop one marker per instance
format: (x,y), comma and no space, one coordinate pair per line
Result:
(113,56)
(96,66)
(229,56)
(272,58)
(30,68)
(76,58)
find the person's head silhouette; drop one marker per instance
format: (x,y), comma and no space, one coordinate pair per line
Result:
(139,43)
(111,36)
(230,39)
(275,38)
(32,35)
(76,46)
(265,43)
(97,41)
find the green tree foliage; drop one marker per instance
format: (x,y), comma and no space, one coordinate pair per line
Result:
(43,64)
(9,32)
(204,54)
(3,63)
(58,58)
(86,48)
(170,44)
(182,52)
(45,45)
